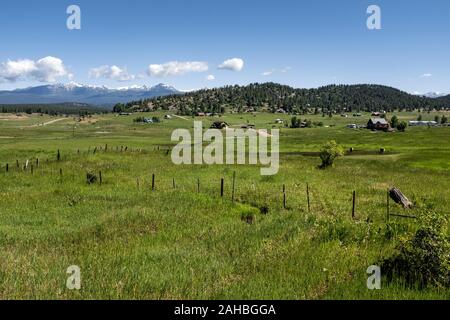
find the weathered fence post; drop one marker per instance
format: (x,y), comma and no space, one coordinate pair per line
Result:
(354,204)
(7,167)
(234,185)
(153,182)
(284,196)
(198,185)
(17,164)
(173,183)
(307,196)
(100,177)
(58,156)
(221,187)
(37,162)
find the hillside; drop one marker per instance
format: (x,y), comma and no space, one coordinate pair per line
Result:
(272,96)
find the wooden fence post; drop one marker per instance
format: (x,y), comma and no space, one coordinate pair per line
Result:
(284,196)
(354,204)
(100,177)
(37,162)
(198,185)
(58,156)
(221,187)
(153,182)
(173,183)
(234,185)
(7,167)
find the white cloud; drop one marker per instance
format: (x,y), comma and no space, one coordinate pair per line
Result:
(272,71)
(234,64)
(175,68)
(426,75)
(47,69)
(210,77)
(111,72)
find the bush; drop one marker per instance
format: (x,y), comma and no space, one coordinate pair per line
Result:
(402,126)
(425,258)
(329,152)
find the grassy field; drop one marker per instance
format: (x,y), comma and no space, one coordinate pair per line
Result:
(183,243)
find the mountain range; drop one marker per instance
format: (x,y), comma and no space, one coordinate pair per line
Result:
(77,93)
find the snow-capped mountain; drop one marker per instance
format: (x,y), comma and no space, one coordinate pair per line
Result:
(75,92)
(432,95)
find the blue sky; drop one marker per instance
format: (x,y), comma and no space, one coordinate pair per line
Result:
(299,43)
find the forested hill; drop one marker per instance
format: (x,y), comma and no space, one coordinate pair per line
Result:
(271,97)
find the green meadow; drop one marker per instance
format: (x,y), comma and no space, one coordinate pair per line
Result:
(182,240)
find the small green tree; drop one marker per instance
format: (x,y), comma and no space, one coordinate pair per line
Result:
(330,152)
(402,126)
(436,118)
(394,121)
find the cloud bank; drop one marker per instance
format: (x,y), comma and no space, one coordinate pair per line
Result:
(111,72)
(47,69)
(175,68)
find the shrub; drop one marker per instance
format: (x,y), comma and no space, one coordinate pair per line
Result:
(329,152)
(425,258)
(402,126)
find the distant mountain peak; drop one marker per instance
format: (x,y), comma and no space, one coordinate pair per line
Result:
(432,95)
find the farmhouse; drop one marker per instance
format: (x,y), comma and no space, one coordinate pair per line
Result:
(378,124)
